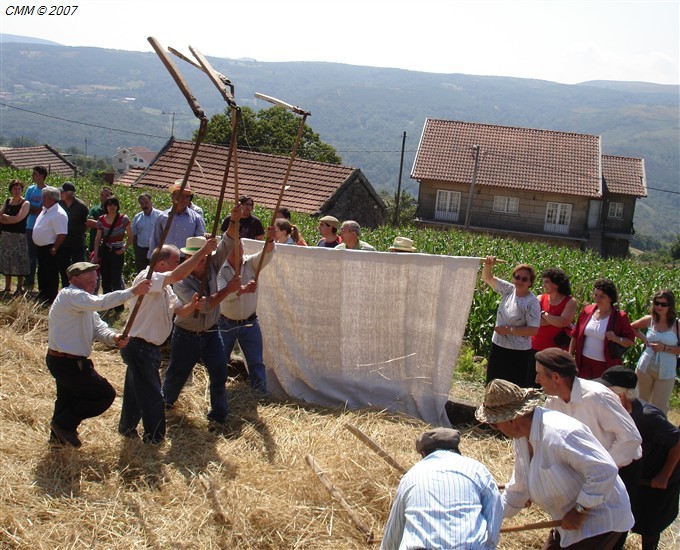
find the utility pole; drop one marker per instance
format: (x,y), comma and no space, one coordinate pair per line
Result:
(172,127)
(475,155)
(401,169)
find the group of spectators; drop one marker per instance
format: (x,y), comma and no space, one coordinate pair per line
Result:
(598,459)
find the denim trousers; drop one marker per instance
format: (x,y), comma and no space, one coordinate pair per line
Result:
(81,391)
(142,396)
(187,349)
(249,337)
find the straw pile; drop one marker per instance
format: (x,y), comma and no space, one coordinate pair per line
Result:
(249,487)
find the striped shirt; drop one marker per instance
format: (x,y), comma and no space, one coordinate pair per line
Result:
(569,466)
(445,501)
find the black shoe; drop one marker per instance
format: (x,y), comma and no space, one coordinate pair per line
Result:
(69,437)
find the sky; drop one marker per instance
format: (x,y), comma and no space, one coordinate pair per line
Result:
(562,41)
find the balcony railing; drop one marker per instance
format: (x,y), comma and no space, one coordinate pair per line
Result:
(518,224)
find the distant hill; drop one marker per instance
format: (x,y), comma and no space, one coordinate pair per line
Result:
(25,39)
(362,111)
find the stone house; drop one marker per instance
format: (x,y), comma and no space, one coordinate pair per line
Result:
(527,183)
(316,188)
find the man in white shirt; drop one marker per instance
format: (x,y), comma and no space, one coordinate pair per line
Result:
(445,501)
(142,395)
(49,232)
(590,403)
(73,325)
(238,319)
(561,467)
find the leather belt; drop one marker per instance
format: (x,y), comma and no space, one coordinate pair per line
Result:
(55,353)
(241,321)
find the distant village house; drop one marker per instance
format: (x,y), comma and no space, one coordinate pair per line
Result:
(528,183)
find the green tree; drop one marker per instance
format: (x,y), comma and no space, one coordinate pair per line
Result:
(272,131)
(675,248)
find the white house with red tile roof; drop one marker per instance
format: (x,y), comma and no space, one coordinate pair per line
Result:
(132,157)
(528,183)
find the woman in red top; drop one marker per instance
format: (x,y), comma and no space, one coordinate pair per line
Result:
(114,237)
(558,308)
(599,324)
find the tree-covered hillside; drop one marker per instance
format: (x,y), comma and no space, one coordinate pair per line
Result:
(361,111)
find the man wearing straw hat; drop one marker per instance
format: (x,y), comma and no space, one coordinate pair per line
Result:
(142,396)
(185,223)
(402,244)
(445,501)
(588,402)
(560,466)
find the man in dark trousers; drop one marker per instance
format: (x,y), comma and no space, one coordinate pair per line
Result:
(73,247)
(73,325)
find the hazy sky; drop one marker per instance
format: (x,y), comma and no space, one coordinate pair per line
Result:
(563,41)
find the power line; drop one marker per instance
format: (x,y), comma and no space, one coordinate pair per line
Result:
(83,123)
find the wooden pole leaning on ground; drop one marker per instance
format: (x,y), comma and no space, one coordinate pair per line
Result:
(198,112)
(530,526)
(375,448)
(293,154)
(337,495)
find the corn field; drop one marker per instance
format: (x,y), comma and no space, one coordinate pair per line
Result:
(635,282)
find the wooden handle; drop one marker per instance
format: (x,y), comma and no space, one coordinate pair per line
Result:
(337,495)
(280,103)
(530,526)
(375,447)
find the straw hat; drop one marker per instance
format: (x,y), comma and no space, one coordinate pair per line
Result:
(505,401)
(402,244)
(193,245)
(178,185)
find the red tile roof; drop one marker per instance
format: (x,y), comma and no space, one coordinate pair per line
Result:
(516,158)
(259,175)
(41,155)
(624,175)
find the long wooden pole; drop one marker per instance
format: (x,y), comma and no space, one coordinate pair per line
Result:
(530,526)
(337,495)
(375,447)
(293,154)
(200,114)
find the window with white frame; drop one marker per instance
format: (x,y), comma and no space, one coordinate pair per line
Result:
(447,206)
(615,210)
(507,205)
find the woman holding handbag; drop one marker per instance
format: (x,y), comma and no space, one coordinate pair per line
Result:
(113,238)
(602,333)
(558,308)
(657,364)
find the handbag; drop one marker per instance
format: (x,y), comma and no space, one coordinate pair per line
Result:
(103,241)
(616,350)
(563,338)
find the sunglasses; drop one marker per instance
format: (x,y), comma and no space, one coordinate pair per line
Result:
(661,304)
(520,278)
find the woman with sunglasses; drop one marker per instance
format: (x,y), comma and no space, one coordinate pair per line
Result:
(656,367)
(599,324)
(517,320)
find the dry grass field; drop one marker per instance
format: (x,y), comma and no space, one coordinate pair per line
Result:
(249,487)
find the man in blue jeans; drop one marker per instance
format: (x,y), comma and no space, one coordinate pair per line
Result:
(239,318)
(142,397)
(197,337)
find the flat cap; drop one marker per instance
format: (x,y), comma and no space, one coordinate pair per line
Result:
(438,438)
(619,376)
(557,360)
(330,220)
(79,268)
